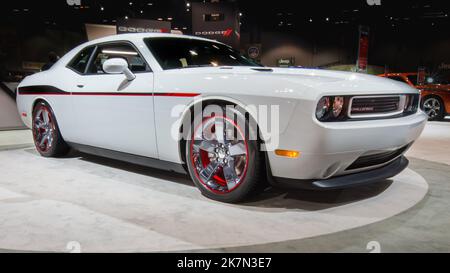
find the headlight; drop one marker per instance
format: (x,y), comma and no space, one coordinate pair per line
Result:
(330,108)
(338,105)
(412,103)
(323,107)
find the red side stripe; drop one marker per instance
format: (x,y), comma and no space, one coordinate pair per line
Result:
(115,94)
(177,94)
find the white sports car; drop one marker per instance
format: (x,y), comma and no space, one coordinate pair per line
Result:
(142,98)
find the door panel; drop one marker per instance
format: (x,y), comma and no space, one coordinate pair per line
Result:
(112,112)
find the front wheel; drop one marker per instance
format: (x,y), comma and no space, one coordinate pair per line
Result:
(223,162)
(434,108)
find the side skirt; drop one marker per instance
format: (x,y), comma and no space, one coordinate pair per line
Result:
(130,158)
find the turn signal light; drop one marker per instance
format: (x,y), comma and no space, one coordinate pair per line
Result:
(287,153)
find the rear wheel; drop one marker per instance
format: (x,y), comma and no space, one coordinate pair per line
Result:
(434,108)
(46,135)
(223,162)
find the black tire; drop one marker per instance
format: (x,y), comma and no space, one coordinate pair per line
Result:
(54,146)
(254,172)
(433,106)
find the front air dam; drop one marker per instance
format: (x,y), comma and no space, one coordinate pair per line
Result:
(342,182)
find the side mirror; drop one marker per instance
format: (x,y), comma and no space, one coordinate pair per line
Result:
(118,66)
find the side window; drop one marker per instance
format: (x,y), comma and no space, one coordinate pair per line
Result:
(80,62)
(136,62)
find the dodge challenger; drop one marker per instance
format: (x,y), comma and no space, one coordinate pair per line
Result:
(144,99)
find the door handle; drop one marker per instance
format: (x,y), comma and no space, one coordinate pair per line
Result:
(80,86)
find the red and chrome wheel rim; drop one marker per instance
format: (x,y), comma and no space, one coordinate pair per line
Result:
(43,129)
(219,154)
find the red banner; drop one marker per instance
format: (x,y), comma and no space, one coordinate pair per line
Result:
(363,52)
(421,75)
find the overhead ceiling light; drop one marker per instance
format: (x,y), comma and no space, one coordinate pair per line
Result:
(169,18)
(149,4)
(102,8)
(131,3)
(240,14)
(310,20)
(188,4)
(142,11)
(126,17)
(327,19)
(160,19)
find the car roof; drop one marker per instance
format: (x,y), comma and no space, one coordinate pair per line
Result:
(132,37)
(137,36)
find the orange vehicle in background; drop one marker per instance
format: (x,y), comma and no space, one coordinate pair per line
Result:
(435,97)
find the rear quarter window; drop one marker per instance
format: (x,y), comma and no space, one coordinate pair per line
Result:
(81,60)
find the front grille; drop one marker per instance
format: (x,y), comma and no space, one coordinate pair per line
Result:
(373,106)
(377,159)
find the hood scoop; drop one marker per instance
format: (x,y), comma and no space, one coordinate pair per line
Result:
(263,69)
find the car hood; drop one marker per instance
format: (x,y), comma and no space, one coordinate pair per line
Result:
(281,82)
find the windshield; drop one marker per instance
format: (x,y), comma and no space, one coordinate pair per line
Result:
(175,53)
